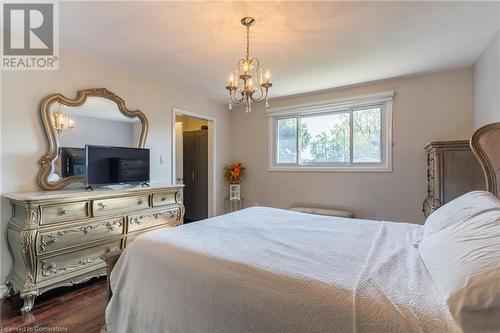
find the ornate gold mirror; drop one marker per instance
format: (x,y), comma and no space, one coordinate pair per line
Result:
(95,117)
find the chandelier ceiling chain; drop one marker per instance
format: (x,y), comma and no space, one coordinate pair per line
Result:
(248,42)
(248,70)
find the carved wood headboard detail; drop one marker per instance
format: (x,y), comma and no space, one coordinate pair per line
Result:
(485,144)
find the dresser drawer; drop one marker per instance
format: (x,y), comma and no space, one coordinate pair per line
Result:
(52,240)
(51,267)
(163,199)
(133,236)
(111,206)
(64,212)
(167,217)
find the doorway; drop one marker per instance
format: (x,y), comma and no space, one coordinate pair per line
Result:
(192,163)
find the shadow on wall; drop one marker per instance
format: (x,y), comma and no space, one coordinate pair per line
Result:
(25,167)
(5,260)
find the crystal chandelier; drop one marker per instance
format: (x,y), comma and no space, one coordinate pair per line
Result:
(62,122)
(241,85)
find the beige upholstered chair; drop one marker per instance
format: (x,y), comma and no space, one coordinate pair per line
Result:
(485,143)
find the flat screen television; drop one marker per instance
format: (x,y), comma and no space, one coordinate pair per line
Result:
(116,165)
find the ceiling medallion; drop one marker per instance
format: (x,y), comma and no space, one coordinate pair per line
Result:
(241,85)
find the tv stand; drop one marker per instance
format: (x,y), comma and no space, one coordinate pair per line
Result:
(145,184)
(89,188)
(58,238)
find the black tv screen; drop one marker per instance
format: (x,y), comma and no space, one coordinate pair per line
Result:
(116,165)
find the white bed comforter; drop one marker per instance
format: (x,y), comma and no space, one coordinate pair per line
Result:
(271,270)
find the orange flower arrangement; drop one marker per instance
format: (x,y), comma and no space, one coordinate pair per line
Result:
(234,172)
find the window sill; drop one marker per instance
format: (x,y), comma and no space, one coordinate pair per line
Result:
(330,169)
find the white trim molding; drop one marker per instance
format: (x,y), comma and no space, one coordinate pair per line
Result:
(347,104)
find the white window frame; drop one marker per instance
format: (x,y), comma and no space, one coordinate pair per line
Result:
(384,100)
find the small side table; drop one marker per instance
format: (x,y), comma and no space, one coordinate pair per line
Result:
(234,205)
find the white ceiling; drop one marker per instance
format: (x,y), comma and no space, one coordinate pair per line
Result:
(307,46)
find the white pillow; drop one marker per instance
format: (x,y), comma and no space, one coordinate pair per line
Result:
(459,209)
(463,260)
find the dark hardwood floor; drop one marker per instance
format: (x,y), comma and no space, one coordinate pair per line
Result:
(76,309)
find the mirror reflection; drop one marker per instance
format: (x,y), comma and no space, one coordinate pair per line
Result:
(96,122)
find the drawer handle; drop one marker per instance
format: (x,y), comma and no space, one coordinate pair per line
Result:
(87,229)
(112,225)
(100,204)
(137,220)
(63,211)
(140,202)
(163,199)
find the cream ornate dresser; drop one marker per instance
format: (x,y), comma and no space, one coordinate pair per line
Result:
(452,170)
(58,238)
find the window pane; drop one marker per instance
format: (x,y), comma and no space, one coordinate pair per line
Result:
(366,135)
(324,138)
(287,140)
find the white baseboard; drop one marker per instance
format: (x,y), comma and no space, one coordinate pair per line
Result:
(3,289)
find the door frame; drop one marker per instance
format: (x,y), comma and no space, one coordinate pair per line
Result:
(212,191)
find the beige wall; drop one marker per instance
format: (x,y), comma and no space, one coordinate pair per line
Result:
(426,108)
(487,84)
(23,142)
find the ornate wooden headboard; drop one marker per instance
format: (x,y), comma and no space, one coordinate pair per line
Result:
(485,144)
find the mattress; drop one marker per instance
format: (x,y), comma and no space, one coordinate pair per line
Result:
(270,270)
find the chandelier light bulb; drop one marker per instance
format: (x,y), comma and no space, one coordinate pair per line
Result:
(268,75)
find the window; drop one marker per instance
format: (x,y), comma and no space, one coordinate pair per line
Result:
(344,135)
(287,140)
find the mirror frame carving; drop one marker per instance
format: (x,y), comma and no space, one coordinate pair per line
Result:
(52,151)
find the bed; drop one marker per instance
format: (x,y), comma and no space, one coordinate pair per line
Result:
(270,270)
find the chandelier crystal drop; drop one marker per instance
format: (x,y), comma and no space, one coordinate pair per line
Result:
(248,83)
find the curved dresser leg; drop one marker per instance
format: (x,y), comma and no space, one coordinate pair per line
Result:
(29,300)
(10,290)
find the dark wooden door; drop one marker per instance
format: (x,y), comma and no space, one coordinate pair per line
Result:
(189,149)
(195,169)
(201,175)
